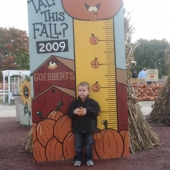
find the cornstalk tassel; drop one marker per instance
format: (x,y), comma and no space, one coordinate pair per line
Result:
(161,108)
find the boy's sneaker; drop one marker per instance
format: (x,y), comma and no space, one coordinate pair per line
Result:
(77,163)
(89,163)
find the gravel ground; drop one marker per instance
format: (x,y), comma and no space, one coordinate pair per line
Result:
(12,134)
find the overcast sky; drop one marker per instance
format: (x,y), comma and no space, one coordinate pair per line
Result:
(151,18)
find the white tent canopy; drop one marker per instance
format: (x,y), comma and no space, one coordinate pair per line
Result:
(9,73)
(15,72)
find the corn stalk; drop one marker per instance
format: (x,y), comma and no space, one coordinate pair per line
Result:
(141,134)
(161,108)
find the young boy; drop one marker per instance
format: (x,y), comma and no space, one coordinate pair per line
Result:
(83,112)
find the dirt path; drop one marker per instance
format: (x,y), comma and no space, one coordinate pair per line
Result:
(12,135)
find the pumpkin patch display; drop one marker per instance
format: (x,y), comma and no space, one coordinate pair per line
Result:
(62,127)
(44,129)
(110,145)
(56,114)
(91,10)
(148,92)
(53,150)
(38,152)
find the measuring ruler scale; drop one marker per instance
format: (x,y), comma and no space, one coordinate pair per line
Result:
(95,63)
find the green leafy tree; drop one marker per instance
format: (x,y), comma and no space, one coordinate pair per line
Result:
(14,53)
(152,55)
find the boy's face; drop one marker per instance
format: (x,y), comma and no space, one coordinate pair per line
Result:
(83,92)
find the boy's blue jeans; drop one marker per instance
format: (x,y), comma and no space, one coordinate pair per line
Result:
(81,140)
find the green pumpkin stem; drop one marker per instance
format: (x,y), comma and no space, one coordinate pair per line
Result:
(105,123)
(92,35)
(59,105)
(39,113)
(96,82)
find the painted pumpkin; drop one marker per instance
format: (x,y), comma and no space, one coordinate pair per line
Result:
(56,114)
(93,40)
(96,87)
(53,150)
(91,10)
(95,63)
(62,127)
(34,132)
(38,152)
(110,145)
(125,135)
(68,146)
(97,136)
(44,129)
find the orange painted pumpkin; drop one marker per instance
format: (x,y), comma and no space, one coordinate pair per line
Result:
(95,156)
(125,135)
(34,132)
(94,40)
(68,146)
(38,152)
(62,127)
(53,150)
(110,145)
(95,63)
(56,114)
(44,129)
(83,9)
(97,136)
(96,87)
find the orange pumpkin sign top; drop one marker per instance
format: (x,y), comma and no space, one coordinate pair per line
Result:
(91,10)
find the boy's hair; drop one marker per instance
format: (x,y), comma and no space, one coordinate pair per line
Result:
(84,83)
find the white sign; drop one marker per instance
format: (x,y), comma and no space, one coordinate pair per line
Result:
(152,75)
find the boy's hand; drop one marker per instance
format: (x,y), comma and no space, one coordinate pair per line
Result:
(77,111)
(82,111)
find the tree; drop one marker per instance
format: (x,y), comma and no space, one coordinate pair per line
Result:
(152,55)
(14,53)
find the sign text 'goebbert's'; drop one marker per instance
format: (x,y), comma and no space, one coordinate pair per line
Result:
(54,76)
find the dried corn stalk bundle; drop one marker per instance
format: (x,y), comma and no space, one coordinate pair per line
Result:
(161,108)
(141,134)
(27,143)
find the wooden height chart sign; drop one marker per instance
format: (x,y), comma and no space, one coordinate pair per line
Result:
(73,41)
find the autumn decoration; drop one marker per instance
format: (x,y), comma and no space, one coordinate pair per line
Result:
(93,40)
(161,107)
(68,146)
(25,92)
(96,87)
(147,92)
(63,125)
(39,152)
(53,150)
(95,63)
(44,129)
(111,143)
(56,114)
